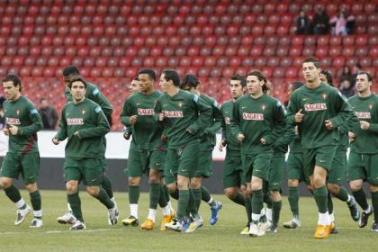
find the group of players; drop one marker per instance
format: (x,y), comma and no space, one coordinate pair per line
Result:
(172,138)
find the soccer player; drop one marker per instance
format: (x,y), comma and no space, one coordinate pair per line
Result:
(258,120)
(233,180)
(363,155)
(336,177)
(205,160)
(22,123)
(147,151)
(318,109)
(94,94)
(133,88)
(84,125)
(184,117)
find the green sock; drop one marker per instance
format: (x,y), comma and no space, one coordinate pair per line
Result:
(103,197)
(174,194)
(13,193)
(360,197)
(107,185)
(239,199)
(134,194)
(374,200)
(293,198)
(205,194)
(35,198)
(154,195)
(191,205)
(75,203)
(197,196)
(248,208)
(183,202)
(257,201)
(342,194)
(164,196)
(276,209)
(330,204)
(321,198)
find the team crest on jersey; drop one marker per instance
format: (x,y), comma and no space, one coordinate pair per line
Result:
(18,112)
(370,106)
(253,116)
(263,107)
(180,104)
(83,112)
(12,121)
(145,112)
(363,115)
(315,107)
(324,96)
(227,120)
(75,121)
(173,114)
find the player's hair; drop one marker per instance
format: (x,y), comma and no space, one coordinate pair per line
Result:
(190,80)
(328,76)
(77,78)
(14,79)
(240,78)
(70,70)
(369,77)
(312,60)
(149,72)
(261,77)
(172,75)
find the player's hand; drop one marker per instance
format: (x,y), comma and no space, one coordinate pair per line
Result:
(55,141)
(76,134)
(328,124)
(241,137)
(351,136)
(364,125)
(262,140)
(164,138)
(161,117)
(133,119)
(6,131)
(13,130)
(299,116)
(222,144)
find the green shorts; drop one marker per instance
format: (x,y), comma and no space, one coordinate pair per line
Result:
(205,164)
(27,165)
(321,156)
(182,160)
(157,159)
(138,162)
(233,170)
(338,172)
(88,170)
(295,169)
(363,166)
(276,170)
(256,165)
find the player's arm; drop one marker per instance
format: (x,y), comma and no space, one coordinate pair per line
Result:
(236,132)
(218,119)
(36,125)
(345,113)
(62,132)
(102,126)
(292,110)
(370,126)
(127,118)
(204,115)
(279,125)
(223,130)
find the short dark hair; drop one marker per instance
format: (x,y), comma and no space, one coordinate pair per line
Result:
(238,77)
(370,78)
(261,77)
(149,72)
(70,70)
(172,75)
(328,76)
(77,78)
(190,80)
(15,79)
(312,60)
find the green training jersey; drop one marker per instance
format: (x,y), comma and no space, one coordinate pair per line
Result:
(84,125)
(146,131)
(25,116)
(208,138)
(232,143)
(257,118)
(318,105)
(295,144)
(366,109)
(185,117)
(94,94)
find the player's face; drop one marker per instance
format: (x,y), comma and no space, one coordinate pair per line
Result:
(78,90)
(134,86)
(145,82)
(11,92)
(362,83)
(254,85)
(310,72)
(236,88)
(164,84)
(66,80)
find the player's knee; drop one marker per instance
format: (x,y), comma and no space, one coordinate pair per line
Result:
(293,183)
(275,195)
(134,181)
(355,185)
(31,187)
(333,188)
(195,183)
(71,186)
(5,182)
(318,181)
(172,188)
(93,190)
(230,192)
(373,188)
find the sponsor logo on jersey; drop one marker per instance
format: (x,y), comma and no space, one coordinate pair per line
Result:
(315,107)
(253,116)
(173,114)
(363,115)
(145,112)
(12,121)
(75,121)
